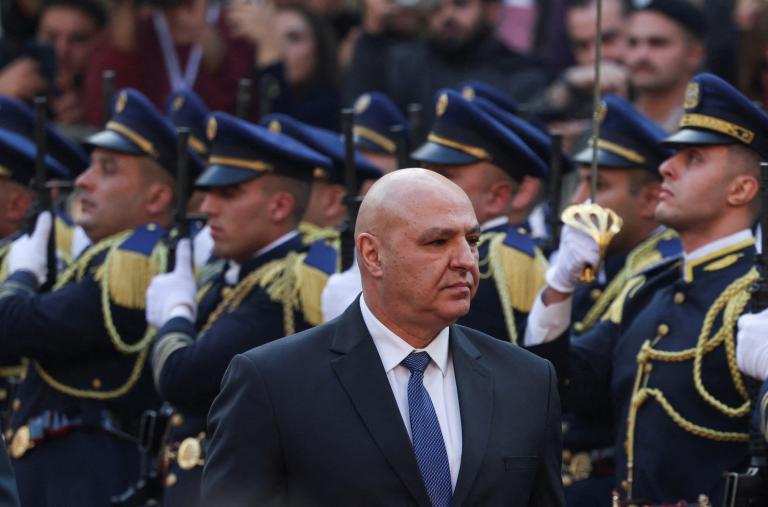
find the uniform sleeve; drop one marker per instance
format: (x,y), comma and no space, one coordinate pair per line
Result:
(242,419)
(188,370)
(61,324)
(549,484)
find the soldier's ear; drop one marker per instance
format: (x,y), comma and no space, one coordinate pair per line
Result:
(281,206)
(742,190)
(159,198)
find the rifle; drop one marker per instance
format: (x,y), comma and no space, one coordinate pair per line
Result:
(555,191)
(148,490)
(243,104)
(352,200)
(750,489)
(414,119)
(267,84)
(41,189)
(400,137)
(107,92)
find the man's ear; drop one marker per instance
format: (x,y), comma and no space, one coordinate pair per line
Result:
(159,198)
(369,254)
(280,206)
(743,189)
(647,199)
(527,192)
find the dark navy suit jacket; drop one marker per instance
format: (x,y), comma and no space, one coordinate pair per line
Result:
(311,420)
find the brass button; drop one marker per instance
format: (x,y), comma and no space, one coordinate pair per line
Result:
(567,381)
(16,405)
(679,298)
(625,485)
(595,293)
(171,480)
(566,455)
(663,330)
(521,230)
(578,327)
(567,480)
(177,420)
(96,383)
(565,427)
(151,227)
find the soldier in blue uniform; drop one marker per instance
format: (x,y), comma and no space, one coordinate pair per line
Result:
(257,187)
(76,415)
(491,163)
(662,359)
(326,208)
(375,118)
(629,154)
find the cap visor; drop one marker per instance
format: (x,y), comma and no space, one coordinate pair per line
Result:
(362,143)
(604,159)
(222,176)
(111,140)
(438,154)
(696,136)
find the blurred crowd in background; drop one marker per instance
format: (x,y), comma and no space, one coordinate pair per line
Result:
(309,58)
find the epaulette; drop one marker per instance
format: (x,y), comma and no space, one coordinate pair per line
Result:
(312,272)
(131,263)
(518,268)
(310,233)
(616,309)
(65,229)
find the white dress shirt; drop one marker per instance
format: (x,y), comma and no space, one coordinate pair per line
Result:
(439,380)
(340,291)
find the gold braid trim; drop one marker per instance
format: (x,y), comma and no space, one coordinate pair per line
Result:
(4,263)
(260,277)
(138,367)
(640,258)
(311,233)
(731,303)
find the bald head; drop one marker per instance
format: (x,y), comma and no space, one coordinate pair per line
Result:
(397,196)
(416,239)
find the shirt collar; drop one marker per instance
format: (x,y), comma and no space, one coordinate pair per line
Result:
(716,249)
(493,223)
(393,350)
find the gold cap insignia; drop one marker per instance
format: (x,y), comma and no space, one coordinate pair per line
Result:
(275,126)
(442,104)
(468,93)
(189,453)
(121,101)
(691,96)
(211,129)
(319,173)
(602,110)
(178,103)
(362,103)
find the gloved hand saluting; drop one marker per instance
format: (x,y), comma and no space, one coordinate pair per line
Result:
(752,345)
(577,251)
(173,294)
(30,253)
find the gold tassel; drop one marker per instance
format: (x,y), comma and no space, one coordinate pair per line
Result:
(615,311)
(524,274)
(64,234)
(310,282)
(129,276)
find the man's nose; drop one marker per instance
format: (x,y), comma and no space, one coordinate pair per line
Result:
(208,206)
(465,256)
(84,181)
(667,168)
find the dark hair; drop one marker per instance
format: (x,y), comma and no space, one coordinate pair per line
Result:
(581,4)
(93,8)
(324,41)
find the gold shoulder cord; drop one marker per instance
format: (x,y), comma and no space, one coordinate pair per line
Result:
(642,257)
(496,270)
(731,303)
(77,271)
(279,275)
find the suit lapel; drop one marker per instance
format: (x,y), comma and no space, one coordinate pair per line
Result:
(362,375)
(475,387)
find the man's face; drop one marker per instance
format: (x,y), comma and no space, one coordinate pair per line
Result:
(72,33)
(112,193)
(580,23)
(613,192)
(695,187)
(238,218)
(430,258)
(660,54)
(454,22)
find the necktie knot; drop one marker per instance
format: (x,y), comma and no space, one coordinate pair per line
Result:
(416,361)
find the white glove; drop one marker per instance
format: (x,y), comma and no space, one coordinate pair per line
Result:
(752,345)
(30,253)
(173,294)
(577,251)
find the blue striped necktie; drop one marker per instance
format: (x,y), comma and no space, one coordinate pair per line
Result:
(428,444)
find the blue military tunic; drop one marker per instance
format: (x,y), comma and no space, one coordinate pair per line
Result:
(662,361)
(190,360)
(76,414)
(588,437)
(511,274)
